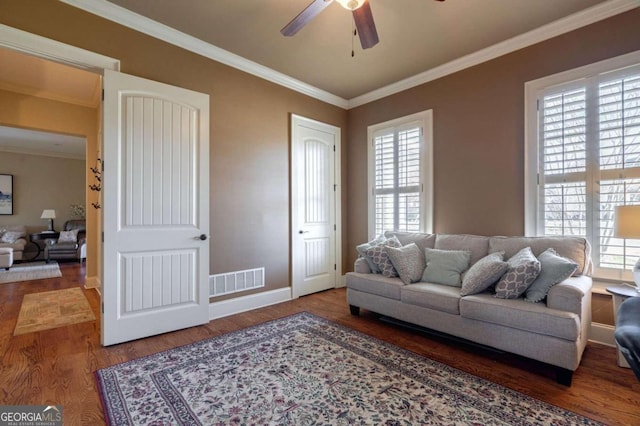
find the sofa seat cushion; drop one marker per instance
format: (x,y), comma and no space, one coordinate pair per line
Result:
(533,317)
(375,284)
(433,296)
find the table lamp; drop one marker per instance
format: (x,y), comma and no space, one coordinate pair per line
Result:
(627,225)
(49,214)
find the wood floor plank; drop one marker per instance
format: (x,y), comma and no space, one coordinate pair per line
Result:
(57,366)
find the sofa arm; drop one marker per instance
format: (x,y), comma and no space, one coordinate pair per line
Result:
(361,266)
(569,295)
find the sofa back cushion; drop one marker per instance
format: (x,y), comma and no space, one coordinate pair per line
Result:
(574,248)
(420,239)
(476,244)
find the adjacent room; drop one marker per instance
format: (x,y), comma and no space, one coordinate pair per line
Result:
(320,212)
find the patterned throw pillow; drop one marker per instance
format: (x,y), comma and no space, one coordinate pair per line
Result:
(10,237)
(362,250)
(555,269)
(523,269)
(68,236)
(445,266)
(484,273)
(408,261)
(381,259)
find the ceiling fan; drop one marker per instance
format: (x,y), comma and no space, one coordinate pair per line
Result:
(362,16)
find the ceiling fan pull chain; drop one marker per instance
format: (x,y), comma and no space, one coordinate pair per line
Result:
(353,27)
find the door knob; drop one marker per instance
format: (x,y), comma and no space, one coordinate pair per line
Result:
(201,237)
(302,232)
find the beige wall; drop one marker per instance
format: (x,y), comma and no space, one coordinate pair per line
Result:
(478,125)
(249,131)
(42,114)
(42,183)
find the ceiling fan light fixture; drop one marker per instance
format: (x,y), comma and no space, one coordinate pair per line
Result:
(351,4)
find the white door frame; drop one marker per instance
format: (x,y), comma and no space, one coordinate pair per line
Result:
(338,202)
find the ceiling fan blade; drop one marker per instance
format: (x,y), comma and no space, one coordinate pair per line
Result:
(305,17)
(365,25)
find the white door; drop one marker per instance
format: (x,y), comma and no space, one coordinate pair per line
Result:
(314,194)
(156,208)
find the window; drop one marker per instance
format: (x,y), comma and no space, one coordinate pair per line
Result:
(400,170)
(583,157)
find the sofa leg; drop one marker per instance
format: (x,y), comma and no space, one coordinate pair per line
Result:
(355,310)
(564,376)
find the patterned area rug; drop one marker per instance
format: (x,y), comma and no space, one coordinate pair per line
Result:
(304,370)
(29,271)
(52,309)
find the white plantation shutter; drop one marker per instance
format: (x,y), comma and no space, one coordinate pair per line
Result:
(397,154)
(589,162)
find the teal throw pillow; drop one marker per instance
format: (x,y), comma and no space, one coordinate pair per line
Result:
(445,266)
(554,269)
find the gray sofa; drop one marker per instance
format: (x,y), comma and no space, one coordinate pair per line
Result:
(15,237)
(553,331)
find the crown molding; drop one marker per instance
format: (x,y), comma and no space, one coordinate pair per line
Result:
(155,29)
(160,31)
(572,22)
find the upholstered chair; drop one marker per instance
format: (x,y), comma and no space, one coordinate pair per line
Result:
(69,243)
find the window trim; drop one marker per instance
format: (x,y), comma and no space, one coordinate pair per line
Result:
(533,91)
(425,118)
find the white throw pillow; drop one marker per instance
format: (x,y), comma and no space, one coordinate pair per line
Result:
(68,236)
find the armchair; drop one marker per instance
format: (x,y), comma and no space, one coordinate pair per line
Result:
(70,242)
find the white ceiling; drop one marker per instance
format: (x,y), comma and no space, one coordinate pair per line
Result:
(415,35)
(28,75)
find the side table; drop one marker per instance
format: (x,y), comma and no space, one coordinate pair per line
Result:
(620,294)
(41,238)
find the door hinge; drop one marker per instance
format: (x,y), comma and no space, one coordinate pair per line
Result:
(334,148)
(334,227)
(102,236)
(335,267)
(102,95)
(538,104)
(102,307)
(335,186)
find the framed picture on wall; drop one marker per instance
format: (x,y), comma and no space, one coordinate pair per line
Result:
(6,194)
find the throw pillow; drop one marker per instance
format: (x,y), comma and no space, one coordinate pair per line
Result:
(408,261)
(555,269)
(10,237)
(523,269)
(362,250)
(445,266)
(381,259)
(484,273)
(68,236)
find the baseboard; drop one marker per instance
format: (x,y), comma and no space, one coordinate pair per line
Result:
(92,282)
(602,334)
(342,282)
(248,303)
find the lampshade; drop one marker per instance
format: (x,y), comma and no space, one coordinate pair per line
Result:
(627,222)
(351,4)
(48,214)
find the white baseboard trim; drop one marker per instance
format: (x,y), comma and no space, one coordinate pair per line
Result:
(602,334)
(342,282)
(92,282)
(247,303)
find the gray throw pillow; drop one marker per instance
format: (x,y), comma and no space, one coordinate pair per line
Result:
(362,250)
(381,259)
(484,273)
(554,269)
(445,266)
(408,261)
(523,269)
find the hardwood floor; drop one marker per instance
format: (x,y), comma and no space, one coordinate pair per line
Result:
(56,366)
